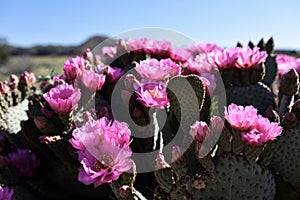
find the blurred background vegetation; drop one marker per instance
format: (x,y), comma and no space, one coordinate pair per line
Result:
(44,59)
(41,59)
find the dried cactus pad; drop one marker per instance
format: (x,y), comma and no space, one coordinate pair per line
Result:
(236,179)
(286,156)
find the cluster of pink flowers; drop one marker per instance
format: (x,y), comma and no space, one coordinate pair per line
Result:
(158,70)
(103,150)
(75,69)
(25,161)
(199,130)
(63,98)
(239,57)
(201,48)
(6,193)
(286,62)
(255,129)
(154,75)
(149,46)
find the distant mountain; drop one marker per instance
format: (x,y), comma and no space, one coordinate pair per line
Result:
(91,43)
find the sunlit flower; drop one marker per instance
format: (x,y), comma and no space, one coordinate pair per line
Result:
(262,131)
(72,67)
(180,55)
(25,161)
(149,46)
(103,150)
(225,59)
(152,95)
(158,70)
(63,98)
(109,53)
(92,80)
(202,48)
(241,118)
(248,57)
(209,80)
(202,63)
(286,62)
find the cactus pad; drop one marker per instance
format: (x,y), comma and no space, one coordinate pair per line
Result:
(286,159)
(259,95)
(236,179)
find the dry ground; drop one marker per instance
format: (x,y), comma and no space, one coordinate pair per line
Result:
(40,65)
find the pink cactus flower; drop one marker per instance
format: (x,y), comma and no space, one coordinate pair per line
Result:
(180,55)
(114,74)
(6,193)
(72,67)
(254,128)
(137,44)
(202,63)
(103,150)
(153,95)
(217,124)
(149,46)
(262,131)
(63,98)
(241,118)
(157,47)
(248,58)
(210,81)
(202,48)
(199,130)
(25,161)
(286,62)
(109,53)
(158,70)
(225,59)
(92,80)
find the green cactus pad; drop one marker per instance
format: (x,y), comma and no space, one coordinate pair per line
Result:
(186,95)
(286,159)
(236,179)
(259,95)
(164,178)
(252,153)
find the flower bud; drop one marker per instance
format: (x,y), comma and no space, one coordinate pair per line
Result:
(14,81)
(27,78)
(4,88)
(289,84)
(289,120)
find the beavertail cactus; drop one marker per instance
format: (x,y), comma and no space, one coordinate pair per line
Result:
(285,162)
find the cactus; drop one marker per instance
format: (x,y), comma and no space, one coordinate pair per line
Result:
(286,156)
(241,158)
(233,176)
(250,96)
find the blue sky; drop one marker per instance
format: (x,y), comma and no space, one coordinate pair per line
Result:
(223,22)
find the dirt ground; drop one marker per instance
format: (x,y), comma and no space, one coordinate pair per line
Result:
(40,65)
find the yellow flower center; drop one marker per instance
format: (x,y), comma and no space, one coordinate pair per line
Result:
(156,94)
